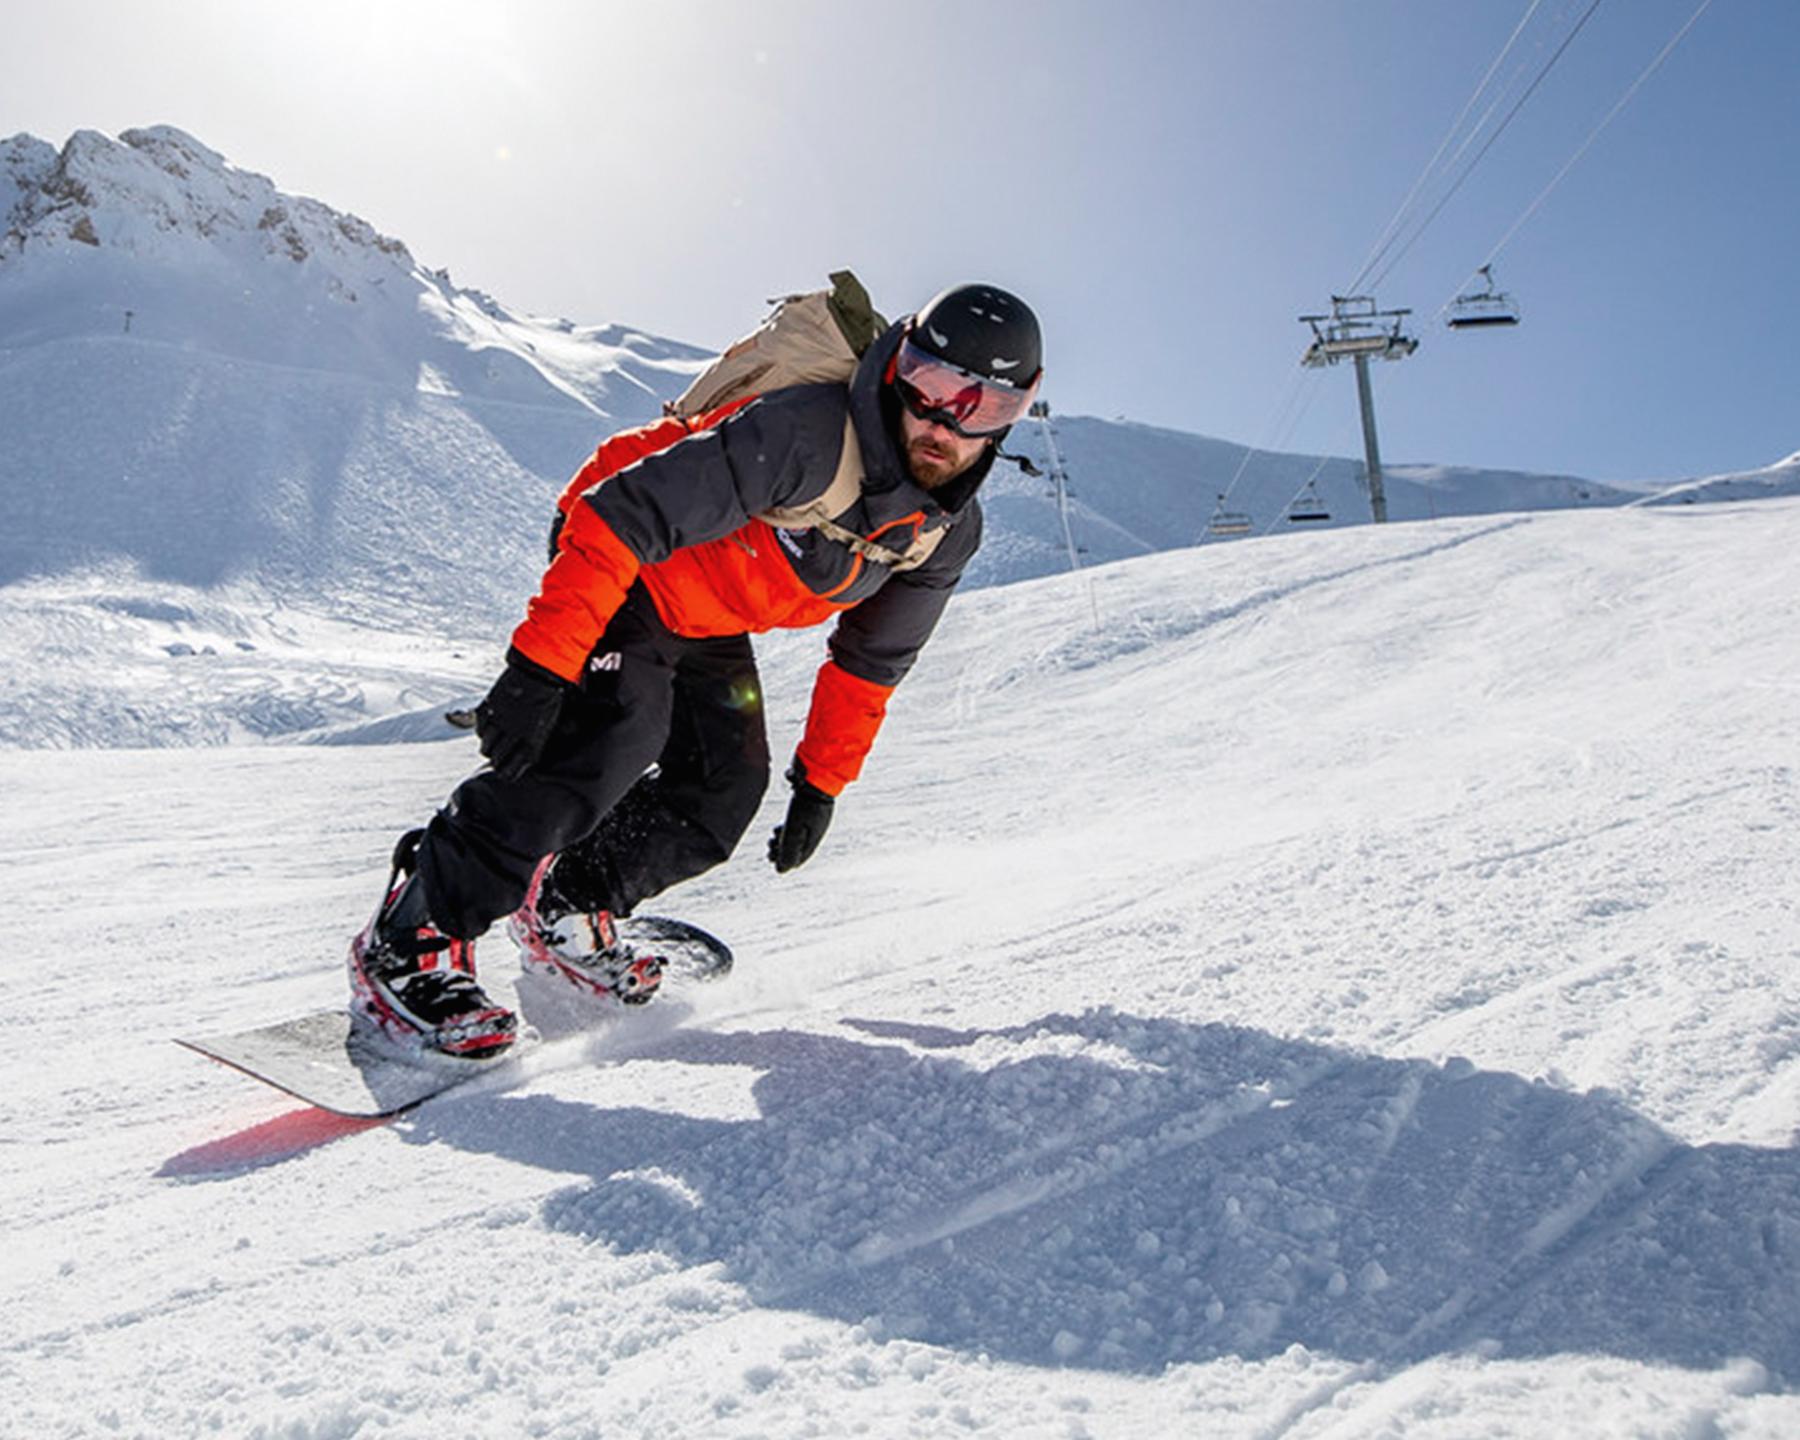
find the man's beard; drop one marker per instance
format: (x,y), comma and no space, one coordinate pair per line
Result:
(931,465)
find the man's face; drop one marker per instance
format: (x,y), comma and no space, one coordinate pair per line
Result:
(935,453)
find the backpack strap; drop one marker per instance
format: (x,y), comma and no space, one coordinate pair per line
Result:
(855,313)
(844,491)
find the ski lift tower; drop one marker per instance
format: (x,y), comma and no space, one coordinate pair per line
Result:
(1356,330)
(1059,478)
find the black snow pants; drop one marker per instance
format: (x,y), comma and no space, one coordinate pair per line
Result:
(655,770)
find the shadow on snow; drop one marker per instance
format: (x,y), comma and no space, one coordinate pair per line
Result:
(1126,1193)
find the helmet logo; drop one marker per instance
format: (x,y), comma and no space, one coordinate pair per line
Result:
(998,364)
(938,337)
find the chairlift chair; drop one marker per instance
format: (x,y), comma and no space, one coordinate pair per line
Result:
(1484,307)
(1307,508)
(1228,522)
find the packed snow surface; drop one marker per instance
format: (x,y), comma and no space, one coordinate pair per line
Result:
(1326,986)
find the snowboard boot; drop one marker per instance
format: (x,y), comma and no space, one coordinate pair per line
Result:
(417,984)
(557,937)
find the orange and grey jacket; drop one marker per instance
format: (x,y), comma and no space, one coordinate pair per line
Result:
(680,508)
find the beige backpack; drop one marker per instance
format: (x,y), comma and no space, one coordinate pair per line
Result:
(809,339)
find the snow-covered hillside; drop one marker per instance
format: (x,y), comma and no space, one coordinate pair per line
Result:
(1779,479)
(268,477)
(209,380)
(1140,489)
(264,473)
(1351,991)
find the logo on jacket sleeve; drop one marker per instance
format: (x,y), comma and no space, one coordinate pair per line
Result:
(611,660)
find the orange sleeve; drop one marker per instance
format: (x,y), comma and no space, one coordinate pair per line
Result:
(578,596)
(586,582)
(841,726)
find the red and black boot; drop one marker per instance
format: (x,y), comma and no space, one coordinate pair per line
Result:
(557,937)
(416,984)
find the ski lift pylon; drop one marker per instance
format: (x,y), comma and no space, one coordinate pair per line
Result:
(1484,307)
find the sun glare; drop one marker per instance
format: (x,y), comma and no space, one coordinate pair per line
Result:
(418,59)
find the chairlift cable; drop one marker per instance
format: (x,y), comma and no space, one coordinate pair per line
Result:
(1294,404)
(1581,150)
(1500,130)
(1219,504)
(1280,423)
(1280,430)
(1280,514)
(1306,397)
(1395,225)
(1397,346)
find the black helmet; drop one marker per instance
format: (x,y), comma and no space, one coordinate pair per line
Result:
(984,330)
(971,360)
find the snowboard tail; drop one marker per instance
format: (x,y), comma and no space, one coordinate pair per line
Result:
(332,1060)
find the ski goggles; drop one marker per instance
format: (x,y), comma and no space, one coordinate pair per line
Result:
(971,405)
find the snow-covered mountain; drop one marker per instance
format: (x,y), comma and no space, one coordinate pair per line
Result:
(1139,489)
(237,420)
(211,380)
(244,429)
(1351,989)
(1772,481)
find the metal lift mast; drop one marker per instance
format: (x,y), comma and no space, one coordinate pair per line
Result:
(1356,330)
(1059,478)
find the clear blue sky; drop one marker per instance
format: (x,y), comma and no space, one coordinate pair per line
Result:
(1170,184)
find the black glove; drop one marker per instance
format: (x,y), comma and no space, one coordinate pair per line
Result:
(516,719)
(808,818)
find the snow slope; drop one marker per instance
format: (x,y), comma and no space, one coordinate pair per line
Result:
(1140,488)
(1350,992)
(237,421)
(1779,479)
(208,381)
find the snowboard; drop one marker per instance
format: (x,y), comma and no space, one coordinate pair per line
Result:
(332,1061)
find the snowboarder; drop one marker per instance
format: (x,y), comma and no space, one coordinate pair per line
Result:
(625,737)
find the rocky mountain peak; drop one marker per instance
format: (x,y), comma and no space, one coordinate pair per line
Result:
(158,191)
